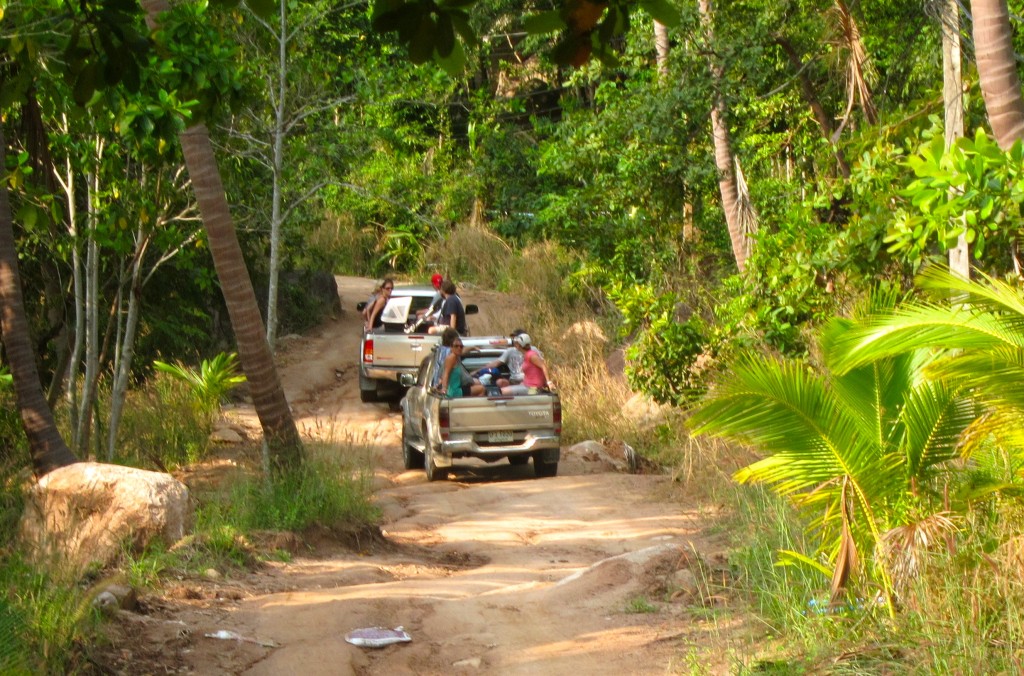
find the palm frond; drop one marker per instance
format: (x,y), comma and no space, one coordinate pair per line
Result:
(902,548)
(787,412)
(921,326)
(996,376)
(985,294)
(846,557)
(934,418)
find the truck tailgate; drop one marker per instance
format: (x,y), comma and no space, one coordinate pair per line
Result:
(489,414)
(399,349)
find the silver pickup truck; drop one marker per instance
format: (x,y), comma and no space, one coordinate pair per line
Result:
(388,352)
(437,429)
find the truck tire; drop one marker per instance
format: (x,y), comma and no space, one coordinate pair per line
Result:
(367,390)
(412,458)
(433,472)
(544,470)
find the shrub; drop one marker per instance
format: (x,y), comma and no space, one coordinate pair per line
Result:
(163,428)
(664,361)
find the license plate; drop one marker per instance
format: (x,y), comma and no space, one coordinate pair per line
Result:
(499,437)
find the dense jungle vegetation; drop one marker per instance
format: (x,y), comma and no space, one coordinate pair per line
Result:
(757,199)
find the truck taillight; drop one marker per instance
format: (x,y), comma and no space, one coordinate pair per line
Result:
(556,414)
(368,351)
(444,420)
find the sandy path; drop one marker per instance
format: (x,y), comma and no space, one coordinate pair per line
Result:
(492,571)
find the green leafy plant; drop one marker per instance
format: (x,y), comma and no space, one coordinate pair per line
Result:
(211,383)
(663,361)
(639,604)
(863,449)
(971,189)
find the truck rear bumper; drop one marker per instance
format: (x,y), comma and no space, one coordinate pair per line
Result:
(469,448)
(383,373)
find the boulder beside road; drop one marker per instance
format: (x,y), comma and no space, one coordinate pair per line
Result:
(88,512)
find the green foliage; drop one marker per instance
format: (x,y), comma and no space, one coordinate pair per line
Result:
(209,385)
(663,361)
(972,190)
(162,427)
(48,620)
(640,605)
(880,436)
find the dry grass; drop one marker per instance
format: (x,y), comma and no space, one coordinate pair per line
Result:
(470,254)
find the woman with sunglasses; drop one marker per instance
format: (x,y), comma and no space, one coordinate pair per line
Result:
(373,318)
(455,378)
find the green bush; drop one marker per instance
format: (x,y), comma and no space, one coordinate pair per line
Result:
(664,361)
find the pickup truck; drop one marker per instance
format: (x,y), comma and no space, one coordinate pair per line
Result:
(388,352)
(437,429)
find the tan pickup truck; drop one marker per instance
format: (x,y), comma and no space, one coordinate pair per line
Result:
(390,351)
(437,430)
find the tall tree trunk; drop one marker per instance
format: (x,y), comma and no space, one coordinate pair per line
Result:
(953,100)
(280,106)
(661,48)
(727,184)
(997,70)
(279,431)
(811,97)
(46,446)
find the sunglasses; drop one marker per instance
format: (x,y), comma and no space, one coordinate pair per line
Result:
(388,288)
(456,344)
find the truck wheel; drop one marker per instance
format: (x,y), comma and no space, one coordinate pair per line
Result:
(413,458)
(367,390)
(433,472)
(544,470)
(517,460)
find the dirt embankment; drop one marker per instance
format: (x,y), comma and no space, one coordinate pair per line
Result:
(594,571)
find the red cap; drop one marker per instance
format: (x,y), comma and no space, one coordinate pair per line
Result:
(436,280)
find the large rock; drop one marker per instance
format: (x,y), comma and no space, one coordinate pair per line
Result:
(88,512)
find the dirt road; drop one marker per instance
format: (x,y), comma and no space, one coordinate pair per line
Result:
(594,571)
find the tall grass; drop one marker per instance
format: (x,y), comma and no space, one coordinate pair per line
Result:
(163,428)
(327,490)
(42,619)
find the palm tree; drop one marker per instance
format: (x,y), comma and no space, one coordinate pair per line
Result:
(997,70)
(739,217)
(863,449)
(977,327)
(46,446)
(279,431)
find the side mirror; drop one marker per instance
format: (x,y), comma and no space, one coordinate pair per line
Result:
(472,309)
(360,306)
(406,379)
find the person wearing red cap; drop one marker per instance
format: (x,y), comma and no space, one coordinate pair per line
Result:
(435,303)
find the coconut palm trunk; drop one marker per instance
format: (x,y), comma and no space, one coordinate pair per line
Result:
(279,429)
(724,160)
(997,70)
(47,448)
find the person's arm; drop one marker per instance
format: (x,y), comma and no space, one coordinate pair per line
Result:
(538,361)
(491,364)
(449,365)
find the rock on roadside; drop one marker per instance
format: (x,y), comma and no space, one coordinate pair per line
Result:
(88,512)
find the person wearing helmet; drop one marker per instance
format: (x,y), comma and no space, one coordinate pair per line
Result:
(535,370)
(511,360)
